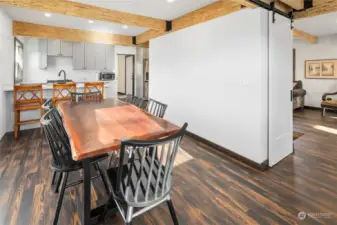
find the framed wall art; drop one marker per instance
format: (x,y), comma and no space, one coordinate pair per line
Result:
(321,69)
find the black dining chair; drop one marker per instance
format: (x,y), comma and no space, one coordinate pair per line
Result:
(77,97)
(134,100)
(142,180)
(156,108)
(62,162)
(48,105)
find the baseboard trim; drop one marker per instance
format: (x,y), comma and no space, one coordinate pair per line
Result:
(222,152)
(312,107)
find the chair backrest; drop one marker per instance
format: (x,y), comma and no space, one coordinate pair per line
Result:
(145,172)
(48,105)
(61,92)
(134,100)
(58,139)
(156,108)
(28,94)
(81,97)
(94,87)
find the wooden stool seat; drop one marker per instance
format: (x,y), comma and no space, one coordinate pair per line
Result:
(27,97)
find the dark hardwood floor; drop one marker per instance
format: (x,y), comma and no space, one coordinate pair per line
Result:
(207,189)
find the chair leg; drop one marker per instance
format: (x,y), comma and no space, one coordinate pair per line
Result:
(58,183)
(105,182)
(59,202)
(16,125)
(53,179)
(173,212)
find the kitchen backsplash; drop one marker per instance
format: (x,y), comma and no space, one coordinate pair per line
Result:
(32,72)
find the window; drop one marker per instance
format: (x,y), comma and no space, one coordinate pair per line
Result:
(18,61)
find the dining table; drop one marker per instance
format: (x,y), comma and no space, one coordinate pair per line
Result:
(98,127)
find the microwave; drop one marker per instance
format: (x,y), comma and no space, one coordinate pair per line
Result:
(106,76)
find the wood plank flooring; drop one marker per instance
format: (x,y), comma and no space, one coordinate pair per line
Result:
(207,189)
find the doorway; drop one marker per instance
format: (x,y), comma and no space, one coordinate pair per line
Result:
(126,74)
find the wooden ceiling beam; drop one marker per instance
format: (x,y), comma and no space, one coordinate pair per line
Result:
(209,12)
(304,36)
(246,3)
(319,7)
(51,32)
(77,9)
(295,4)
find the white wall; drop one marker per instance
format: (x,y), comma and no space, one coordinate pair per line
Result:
(214,76)
(325,49)
(6,62)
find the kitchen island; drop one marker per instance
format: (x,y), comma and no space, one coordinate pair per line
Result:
(110,91)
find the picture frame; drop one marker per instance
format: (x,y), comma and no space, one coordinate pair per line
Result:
(321,69)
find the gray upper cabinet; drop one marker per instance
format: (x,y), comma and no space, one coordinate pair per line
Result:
(105,59)
(78,56)
(100,57)
(60,48)
(54,47)
(66,48)
(90,56)
(110,58)
(43,49)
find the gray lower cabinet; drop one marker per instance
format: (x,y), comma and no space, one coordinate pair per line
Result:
(78,56)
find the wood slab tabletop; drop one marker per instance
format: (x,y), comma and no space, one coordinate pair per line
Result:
(97,127)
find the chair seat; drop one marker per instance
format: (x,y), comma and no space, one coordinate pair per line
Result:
(330,103)
(30,106)
(113,173)
(77,165)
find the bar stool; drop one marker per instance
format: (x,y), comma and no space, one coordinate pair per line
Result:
(62,92)
(92,87)
(26,97)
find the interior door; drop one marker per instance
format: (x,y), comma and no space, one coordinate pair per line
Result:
(280,89)
(129,72)
(121,74)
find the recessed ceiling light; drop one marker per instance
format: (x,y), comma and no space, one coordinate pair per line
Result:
(170,1)
(91,21)
(47,14)
(125,27)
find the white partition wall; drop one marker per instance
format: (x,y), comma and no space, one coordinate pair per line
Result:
(280,86)
(217,77)
(213,76)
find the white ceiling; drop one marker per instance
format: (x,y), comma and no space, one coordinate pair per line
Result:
(319,25)
(160,9)
(38,17)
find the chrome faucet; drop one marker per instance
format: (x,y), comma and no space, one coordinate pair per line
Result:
(65,75)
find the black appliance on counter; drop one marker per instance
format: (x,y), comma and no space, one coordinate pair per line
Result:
(106,76)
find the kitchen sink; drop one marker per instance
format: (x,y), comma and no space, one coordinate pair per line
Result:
(58,81)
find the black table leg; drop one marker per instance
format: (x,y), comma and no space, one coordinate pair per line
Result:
(87,192)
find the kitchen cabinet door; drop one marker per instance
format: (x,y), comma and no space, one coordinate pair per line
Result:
(110,58)
(66,48)
(90,55)
(54,47)
(100,56)
(43,49)
(78,55)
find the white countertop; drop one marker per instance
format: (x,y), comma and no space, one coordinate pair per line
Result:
(49,86)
